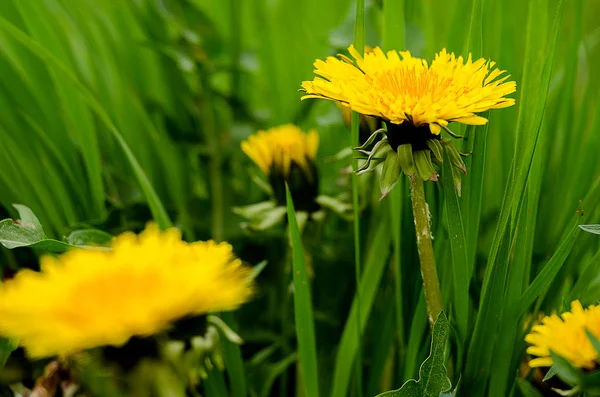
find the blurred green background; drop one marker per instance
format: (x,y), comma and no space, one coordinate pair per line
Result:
(184,82)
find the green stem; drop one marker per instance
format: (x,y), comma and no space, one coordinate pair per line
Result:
(431,285)
(359,44)
(214,164)
(396,207)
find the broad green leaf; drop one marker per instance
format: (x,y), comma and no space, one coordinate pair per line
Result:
(90,238)
(28,232)
(432,376)
(305,333)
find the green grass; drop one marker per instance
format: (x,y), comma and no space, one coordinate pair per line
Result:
(113,114)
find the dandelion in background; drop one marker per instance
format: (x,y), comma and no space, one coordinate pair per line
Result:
(90,298)
(566,336)
(287,154)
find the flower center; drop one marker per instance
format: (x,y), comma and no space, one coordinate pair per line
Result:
(400,134)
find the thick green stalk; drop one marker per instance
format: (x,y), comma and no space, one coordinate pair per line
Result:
(431,284)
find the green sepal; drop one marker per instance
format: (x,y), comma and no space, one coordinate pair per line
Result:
(425,166)
(436,148)
(390,175)
(370,139)
(454,155)
(407,161)
(457,180)
(377,155)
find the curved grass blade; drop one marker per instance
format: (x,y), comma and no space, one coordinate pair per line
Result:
(303,312)
(158,211)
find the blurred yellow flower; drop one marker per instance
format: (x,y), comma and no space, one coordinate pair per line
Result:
(399,88)
(566,336)
(277,148)
(88,298)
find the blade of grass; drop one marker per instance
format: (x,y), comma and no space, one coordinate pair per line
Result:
(303,312)
(458,249)
(359,44)
(234,364)
(158,211)
(475,142)
(532,107)
(348,347)
(393,39)
(543,280)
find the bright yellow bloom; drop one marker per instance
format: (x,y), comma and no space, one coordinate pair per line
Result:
(89,298)
(397,87)
(566,336)
(278,147)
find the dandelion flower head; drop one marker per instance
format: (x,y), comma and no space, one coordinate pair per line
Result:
(279,147)
(88,298)
(566,336)
(400,88)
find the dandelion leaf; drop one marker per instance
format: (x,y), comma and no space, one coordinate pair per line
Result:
(433,381)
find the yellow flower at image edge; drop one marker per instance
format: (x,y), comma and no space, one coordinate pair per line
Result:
(89,298)
(279,147)
(400,88)
(566,336)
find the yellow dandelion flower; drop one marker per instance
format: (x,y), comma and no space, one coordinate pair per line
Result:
(278,148)
(566,336)
(399,88)
(89,298)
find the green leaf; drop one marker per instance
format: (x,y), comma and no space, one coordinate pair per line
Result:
(591,228)
(390,174)
(432,376)
(28,218)
(28,232)
(303,312)
(90,238)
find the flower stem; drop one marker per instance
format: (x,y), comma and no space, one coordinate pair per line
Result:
(431,285)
